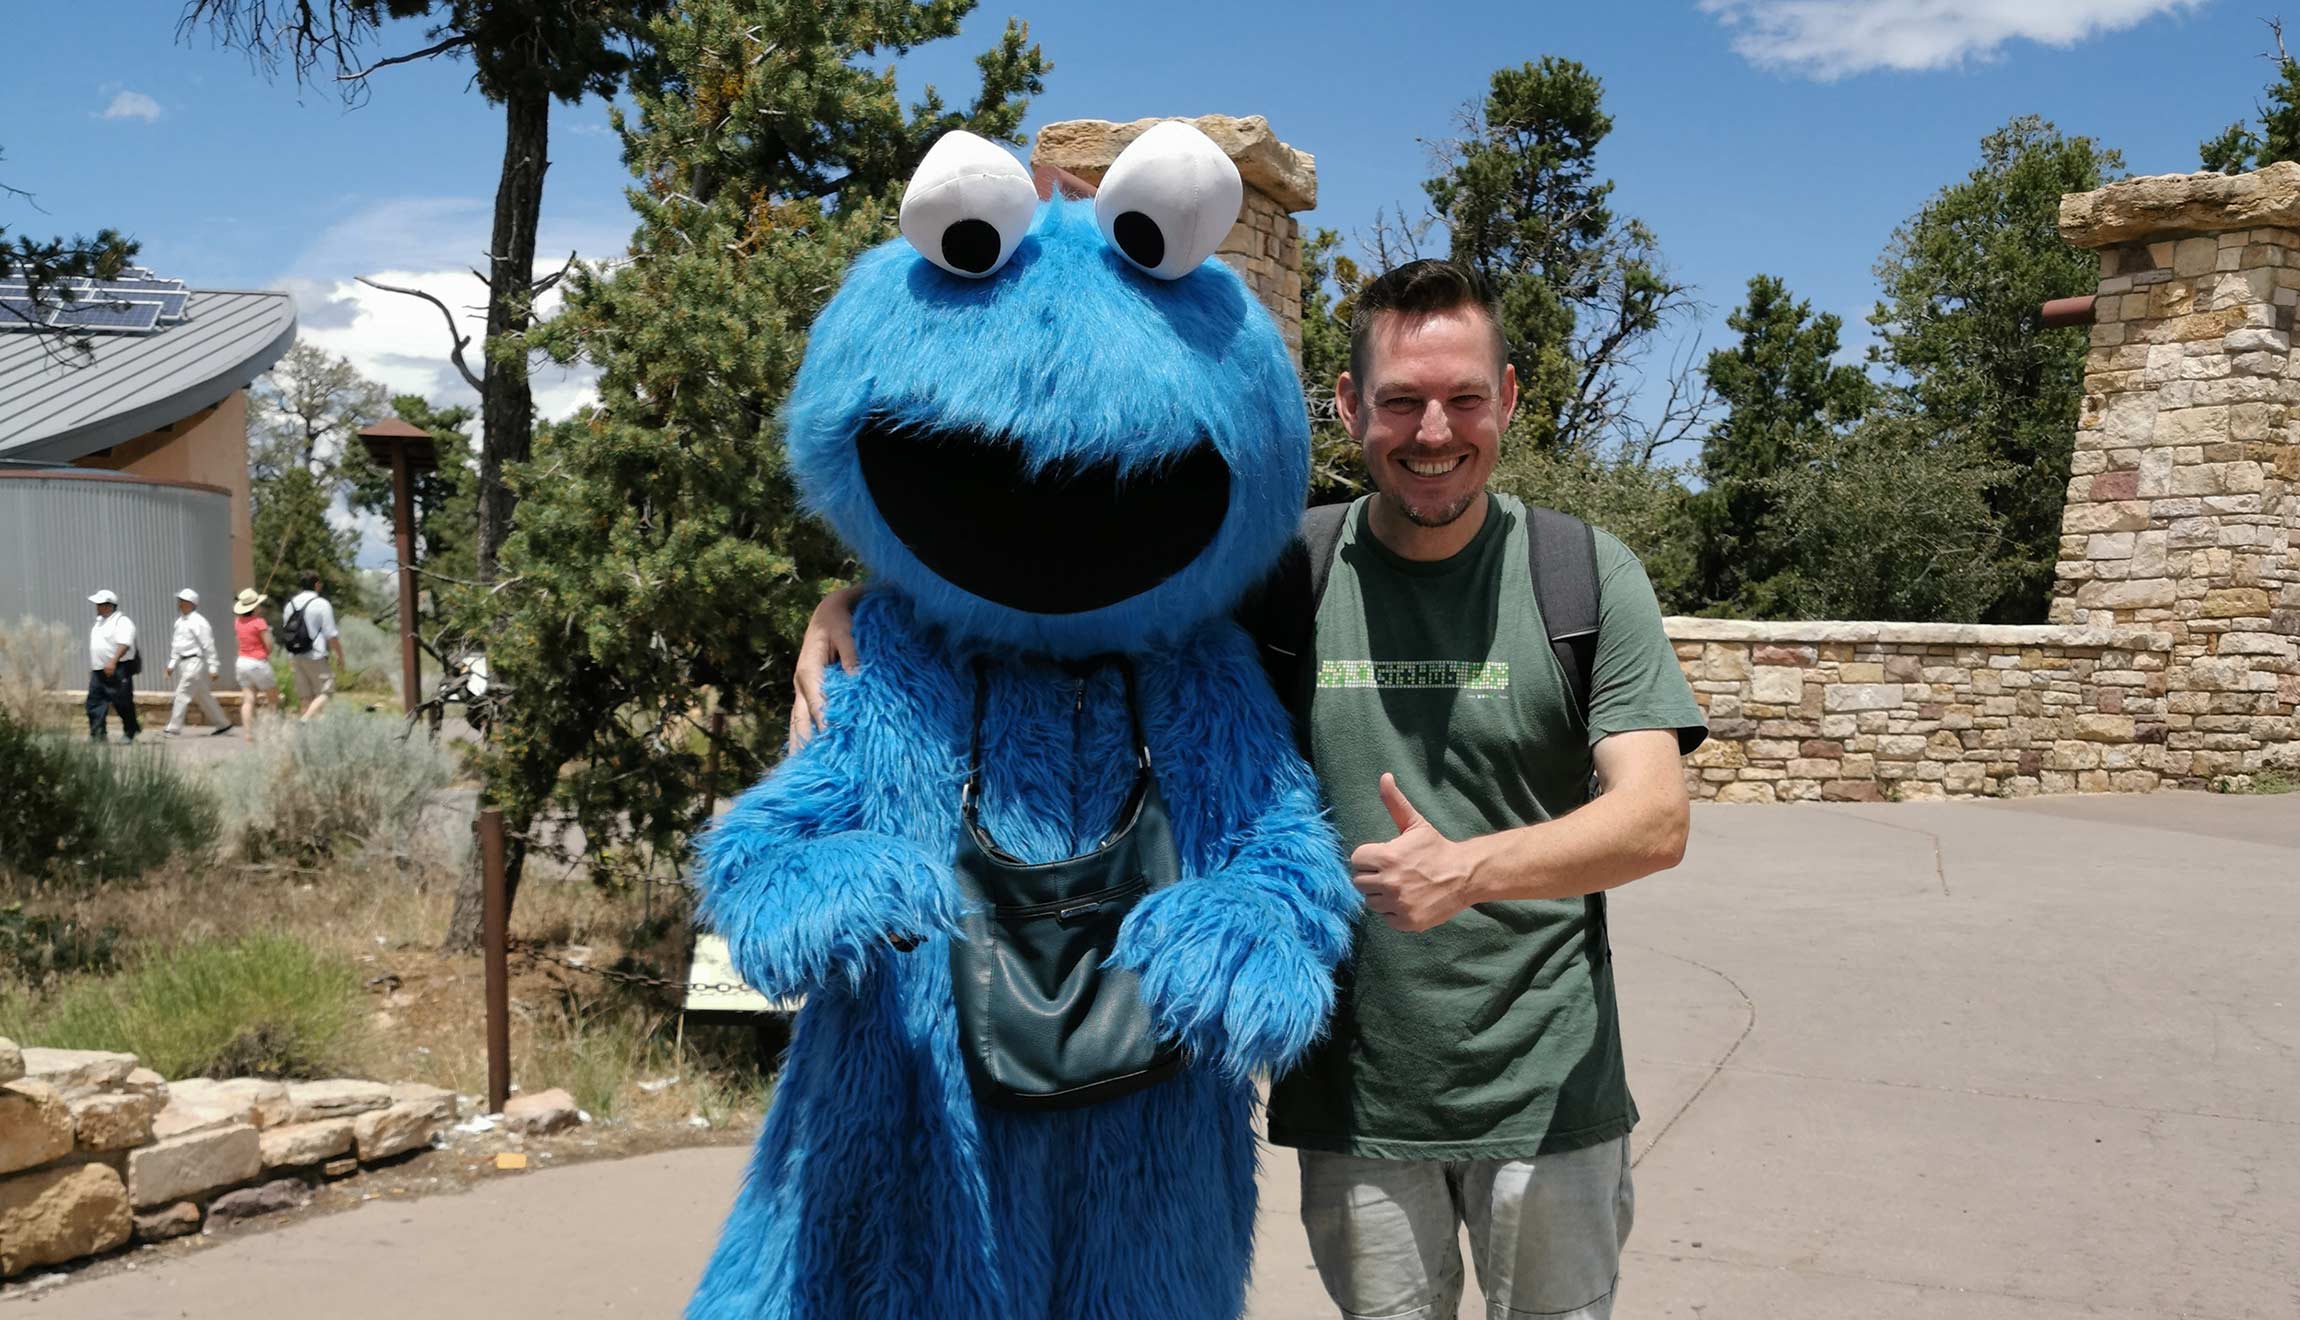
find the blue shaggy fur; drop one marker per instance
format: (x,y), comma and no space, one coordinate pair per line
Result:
(880,1188)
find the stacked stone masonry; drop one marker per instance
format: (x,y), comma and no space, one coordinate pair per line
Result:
(1265,245)
(2183,511)
(1871,712)
(96,1151)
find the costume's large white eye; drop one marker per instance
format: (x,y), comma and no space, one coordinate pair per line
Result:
(968,206)
(1169,200)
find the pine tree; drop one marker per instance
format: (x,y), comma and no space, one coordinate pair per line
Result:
(1330,281)
(2240,147)
(1784,393)
(662,572)
(1582,292)
(1959,329)
(293,534)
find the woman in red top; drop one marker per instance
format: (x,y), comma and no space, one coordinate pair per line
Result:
(257,681)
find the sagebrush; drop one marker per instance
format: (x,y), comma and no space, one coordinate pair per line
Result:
(318,788)
(76,810)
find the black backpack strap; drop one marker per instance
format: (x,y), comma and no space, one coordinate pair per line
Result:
(1281,612)
(1562,551)
(1562,554)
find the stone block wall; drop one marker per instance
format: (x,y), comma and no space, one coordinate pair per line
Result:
(1870,712)
(1265,245)
(96,1151)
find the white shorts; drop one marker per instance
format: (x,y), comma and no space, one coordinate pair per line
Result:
(257,675)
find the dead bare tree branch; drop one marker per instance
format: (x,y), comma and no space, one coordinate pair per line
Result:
(543,286)
(426,53)
(460,339)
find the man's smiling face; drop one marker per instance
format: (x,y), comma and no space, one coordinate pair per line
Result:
(1431,411)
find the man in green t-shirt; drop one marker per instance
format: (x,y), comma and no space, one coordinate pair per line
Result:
(1473,1071)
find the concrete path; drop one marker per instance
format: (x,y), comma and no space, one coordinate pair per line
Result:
(1958,1061)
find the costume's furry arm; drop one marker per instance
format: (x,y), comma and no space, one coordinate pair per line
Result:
(805,895)
(1237,962)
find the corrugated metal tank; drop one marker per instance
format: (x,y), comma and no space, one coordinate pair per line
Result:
(66,532)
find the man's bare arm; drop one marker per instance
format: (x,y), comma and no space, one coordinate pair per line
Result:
(830,635)
(1636,827)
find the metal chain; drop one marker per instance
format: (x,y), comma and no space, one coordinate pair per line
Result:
(535,953)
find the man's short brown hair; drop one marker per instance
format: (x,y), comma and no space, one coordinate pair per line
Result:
(1418,289)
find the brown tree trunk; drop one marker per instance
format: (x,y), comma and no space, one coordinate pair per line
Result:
(506,413)
(506,404)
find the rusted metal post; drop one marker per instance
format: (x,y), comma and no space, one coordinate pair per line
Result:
(403,531)
(495,917)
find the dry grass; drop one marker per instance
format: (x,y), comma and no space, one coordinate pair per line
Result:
(36,658)
(422,1015)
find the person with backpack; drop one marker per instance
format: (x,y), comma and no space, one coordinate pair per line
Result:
(113,663)
(307,631)
(1496,716)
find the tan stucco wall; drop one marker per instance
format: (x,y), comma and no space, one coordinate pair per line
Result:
(209,447)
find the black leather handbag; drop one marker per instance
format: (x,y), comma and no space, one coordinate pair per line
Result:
(1042,1023)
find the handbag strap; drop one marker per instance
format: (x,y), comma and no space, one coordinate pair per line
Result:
(1082,669)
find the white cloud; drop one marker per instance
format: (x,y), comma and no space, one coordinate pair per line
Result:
(1830,39)
(427,243)
(402,342)
(132,105)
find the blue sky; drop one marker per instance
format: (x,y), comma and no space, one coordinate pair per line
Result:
(1777,136)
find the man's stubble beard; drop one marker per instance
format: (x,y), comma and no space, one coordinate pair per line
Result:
(1419,518)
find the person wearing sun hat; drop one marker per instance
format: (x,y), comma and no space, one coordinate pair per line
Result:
(258,683)
(112,664)
(192,662)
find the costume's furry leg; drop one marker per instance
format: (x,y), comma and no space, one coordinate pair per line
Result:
(1163,1185)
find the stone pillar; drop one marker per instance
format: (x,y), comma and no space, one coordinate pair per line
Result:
(1265,246)
(2184,501)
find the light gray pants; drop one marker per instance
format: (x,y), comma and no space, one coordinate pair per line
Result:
(192,684)
(1546,1233)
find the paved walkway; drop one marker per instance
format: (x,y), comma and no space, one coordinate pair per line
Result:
(1957,1061)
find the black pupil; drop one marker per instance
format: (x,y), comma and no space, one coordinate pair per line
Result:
(1138,238)
(971,245)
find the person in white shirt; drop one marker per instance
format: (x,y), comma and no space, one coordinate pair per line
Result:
(314,679)
(192,660)
(112,665)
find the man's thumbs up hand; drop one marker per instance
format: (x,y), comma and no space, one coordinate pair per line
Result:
(1401,810)
(1417,880)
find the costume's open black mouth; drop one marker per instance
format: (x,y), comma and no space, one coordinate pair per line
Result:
(1067,540)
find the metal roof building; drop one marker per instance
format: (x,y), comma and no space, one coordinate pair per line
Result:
(126,468)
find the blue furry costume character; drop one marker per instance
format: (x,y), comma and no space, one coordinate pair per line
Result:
(1053,432)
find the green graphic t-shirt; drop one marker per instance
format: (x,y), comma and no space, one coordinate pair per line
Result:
(1492,1036)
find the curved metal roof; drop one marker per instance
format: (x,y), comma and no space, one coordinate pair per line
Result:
(58,407)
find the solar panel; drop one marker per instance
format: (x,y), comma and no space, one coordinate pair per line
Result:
(171,301)
(134,315)
(135,303)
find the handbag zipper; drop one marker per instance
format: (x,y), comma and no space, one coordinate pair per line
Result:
(1070,909)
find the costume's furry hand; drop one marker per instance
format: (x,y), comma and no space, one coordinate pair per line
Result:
(799,916)
(1226,973)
